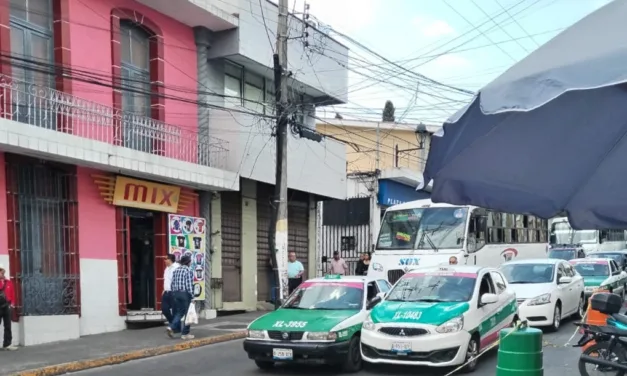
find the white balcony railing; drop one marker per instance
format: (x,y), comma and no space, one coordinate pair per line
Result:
(39,106)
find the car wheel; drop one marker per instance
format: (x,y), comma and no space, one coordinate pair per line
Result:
(353,361)
(557,318)
(471,355)
(266,366)
(581,309)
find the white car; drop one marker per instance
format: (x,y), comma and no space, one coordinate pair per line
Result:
(547,290)
(439,317)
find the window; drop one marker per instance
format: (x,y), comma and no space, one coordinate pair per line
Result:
(504,228)
(233,85)
(561,272)
(499,282)
(347,243)
(446,288)
(614,267)
(243,88)
(525,273)
(31,39)
(486,286)
(135,70)
(570,272)
(372,291)
(384,286)
(254,92)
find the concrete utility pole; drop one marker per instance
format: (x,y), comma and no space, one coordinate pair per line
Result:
(279,232)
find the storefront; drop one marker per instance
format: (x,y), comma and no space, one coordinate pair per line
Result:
(152,220)
(393,193)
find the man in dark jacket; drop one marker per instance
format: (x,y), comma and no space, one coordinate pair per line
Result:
(7,299)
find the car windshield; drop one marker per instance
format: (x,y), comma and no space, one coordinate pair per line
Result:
(564,234)
(563,254)
(433,287)
(528,273)
(592,269)
(614,256)
(327,295)
(423,228)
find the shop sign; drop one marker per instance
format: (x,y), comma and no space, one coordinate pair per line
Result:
(141,194)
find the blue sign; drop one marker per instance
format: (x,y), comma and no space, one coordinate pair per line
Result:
(413,261)
(394,193)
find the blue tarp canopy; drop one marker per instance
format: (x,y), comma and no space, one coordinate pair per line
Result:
(549,135)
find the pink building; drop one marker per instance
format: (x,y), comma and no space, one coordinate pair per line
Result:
(108,115)
(100,97)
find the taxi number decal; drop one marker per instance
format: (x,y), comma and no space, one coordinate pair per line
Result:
(290,324)
(413,315)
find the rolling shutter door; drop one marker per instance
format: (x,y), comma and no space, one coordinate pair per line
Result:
(264,215)
(231,247)
(298,232)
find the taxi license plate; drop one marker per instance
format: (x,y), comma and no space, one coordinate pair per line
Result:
(401,347)
(282,354)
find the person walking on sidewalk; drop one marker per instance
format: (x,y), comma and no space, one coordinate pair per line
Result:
(295,271)
(182,293)
(167,301)
(338,265)
(7,299)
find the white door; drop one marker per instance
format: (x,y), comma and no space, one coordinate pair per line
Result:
(565,291)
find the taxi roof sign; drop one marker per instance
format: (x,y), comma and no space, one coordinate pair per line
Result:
(333,276)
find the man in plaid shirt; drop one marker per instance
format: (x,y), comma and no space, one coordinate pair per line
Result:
(182,294)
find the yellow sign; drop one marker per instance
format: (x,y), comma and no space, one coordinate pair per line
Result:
(142,194)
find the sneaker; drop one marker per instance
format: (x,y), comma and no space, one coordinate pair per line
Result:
(187,336)
(9,348)
(169,332)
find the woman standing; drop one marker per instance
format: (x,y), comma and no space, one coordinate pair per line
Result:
(363,264)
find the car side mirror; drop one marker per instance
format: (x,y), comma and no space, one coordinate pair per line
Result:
(381,295)
(373,302)
(489,299)
(565,280)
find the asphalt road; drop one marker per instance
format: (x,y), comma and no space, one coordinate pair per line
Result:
(230,358)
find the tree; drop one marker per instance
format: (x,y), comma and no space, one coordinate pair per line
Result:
(388,112)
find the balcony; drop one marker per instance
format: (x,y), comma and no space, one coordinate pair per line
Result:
(48,123)
(215,15)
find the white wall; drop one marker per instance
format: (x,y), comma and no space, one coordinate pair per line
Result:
(321,68)
(318,168)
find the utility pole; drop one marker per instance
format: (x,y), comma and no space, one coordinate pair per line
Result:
(278,233)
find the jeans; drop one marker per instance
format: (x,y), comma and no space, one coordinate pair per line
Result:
(167,306)
(5,317)
(182,300)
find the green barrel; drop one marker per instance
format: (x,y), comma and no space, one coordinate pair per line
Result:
(520,353)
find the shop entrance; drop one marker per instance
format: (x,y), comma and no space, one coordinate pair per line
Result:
(141,241)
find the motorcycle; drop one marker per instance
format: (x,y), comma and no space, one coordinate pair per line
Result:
(608,353)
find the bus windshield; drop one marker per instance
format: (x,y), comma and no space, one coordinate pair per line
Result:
(564,234)
(423,228)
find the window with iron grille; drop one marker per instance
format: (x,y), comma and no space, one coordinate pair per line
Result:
(43,236)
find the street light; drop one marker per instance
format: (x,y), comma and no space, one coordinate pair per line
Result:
(421,136)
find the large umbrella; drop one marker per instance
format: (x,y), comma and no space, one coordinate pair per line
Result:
(547,136)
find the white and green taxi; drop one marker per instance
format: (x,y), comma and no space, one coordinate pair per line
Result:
(439,317)
(320,322)
(600,274)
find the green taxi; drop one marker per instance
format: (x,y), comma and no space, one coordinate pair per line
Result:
(600,274)
(319,323)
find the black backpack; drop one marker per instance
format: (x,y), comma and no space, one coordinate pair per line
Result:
(4,302)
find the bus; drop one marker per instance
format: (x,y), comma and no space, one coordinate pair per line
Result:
(423,233)
(590,240)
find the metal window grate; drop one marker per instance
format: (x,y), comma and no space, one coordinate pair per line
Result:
(43,215)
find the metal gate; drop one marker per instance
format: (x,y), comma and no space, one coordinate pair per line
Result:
(42,213)
(345,227)
(298,231)
(264,216)
(231,247)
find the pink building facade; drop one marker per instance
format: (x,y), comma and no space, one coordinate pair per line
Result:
(90,91)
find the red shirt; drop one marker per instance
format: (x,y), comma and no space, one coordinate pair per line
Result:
(8,290)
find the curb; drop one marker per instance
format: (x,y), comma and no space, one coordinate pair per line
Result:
(81,365)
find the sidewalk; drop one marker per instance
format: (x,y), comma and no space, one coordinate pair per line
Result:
(90,350)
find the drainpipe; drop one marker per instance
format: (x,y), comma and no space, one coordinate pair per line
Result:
(202,37)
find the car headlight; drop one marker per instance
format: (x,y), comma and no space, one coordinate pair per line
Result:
(258,334)
(451,326)
(377,267)
(367,325)
(322,336)
(540,300)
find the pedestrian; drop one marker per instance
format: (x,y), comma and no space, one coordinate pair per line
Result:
(7,299)
(338,265)
(182,294)
(295,271)
(363,264)
(167,300)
